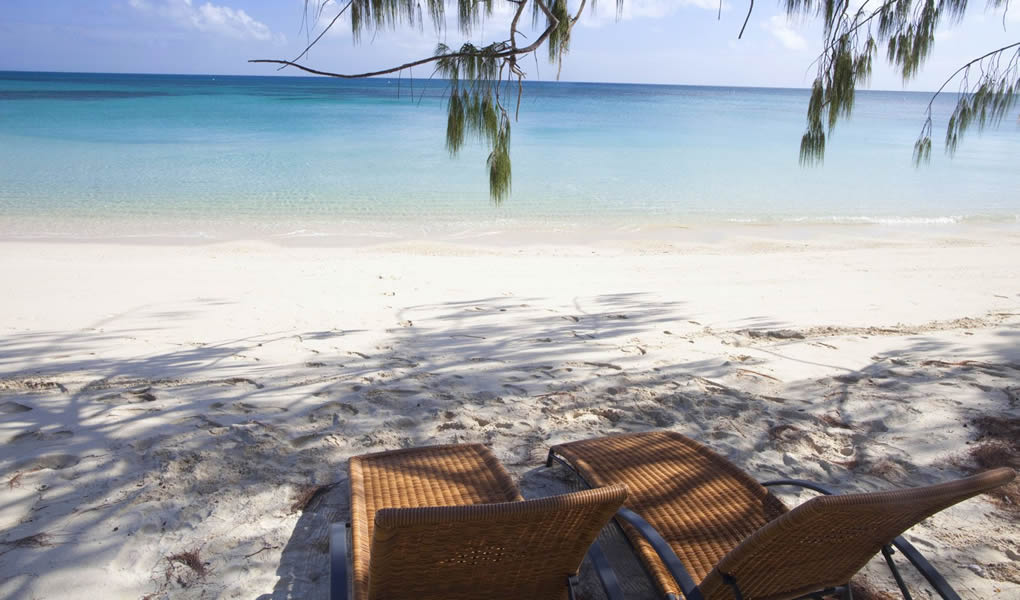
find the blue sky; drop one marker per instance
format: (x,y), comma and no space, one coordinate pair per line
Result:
(656,41)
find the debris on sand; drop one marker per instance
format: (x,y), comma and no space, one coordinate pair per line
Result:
(776,334)
(190,559)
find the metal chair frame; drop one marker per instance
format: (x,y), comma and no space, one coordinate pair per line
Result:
(690,589)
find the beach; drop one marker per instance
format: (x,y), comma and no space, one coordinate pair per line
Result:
(176,417)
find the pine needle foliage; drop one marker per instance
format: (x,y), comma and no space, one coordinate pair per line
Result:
(854,35)
(559,39)
(380,14)
(906,29)
(474,107)
(479,76)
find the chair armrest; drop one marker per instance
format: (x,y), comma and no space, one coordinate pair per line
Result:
(801,483)
(338,561)
(606,574)
(666,554)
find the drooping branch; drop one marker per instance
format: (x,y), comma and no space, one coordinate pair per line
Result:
(965,67)
(997,91)
(851,39)
(423,61)
(476,74)
(508,52)
(907,28)
(324,31)
(512,61)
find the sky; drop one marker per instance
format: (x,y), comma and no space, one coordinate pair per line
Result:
(653,41)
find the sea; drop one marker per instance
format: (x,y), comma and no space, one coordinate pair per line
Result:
(209,157)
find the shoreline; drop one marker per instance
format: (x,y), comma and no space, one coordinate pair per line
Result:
(508,233)
(160,399)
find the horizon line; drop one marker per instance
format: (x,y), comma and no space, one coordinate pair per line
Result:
(325,77)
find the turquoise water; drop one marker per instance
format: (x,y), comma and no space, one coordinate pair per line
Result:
(199,155)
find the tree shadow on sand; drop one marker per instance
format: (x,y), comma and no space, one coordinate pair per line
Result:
(214,447)
(578,393)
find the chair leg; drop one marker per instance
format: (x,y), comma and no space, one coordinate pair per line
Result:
(887,554)
(572,587)
(606,575)
(338,580)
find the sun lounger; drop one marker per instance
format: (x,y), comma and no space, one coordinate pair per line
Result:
(447,522)
(705,528)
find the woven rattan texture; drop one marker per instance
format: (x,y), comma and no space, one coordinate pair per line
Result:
(431,476)
(702,504)
(448,523)
(506,551)
(824,541)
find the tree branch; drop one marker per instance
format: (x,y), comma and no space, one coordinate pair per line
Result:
(324,31)
(577,15)
(511,52)
(513,24)
(965,67)
(746,19)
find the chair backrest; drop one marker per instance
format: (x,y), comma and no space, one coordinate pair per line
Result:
(824,541)
(515,550)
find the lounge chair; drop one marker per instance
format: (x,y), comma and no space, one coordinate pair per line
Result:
(705,528)
(447,522)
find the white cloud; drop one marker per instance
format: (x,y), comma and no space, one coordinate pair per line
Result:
(780,28)
(643,9)
(208,18)
(654,9)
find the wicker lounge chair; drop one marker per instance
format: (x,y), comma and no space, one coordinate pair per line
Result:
(705,528)
(447,522)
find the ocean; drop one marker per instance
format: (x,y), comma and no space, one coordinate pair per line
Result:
(213,157)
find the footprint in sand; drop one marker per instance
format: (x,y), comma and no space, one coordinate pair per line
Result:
(330,409)
(244,380)
(12,408)
(199,421)
(403,423)
(50,461)
(304,440)
(41,436)
(246,408)
(127,397)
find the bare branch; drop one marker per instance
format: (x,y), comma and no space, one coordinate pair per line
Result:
(577,15)
(324,31)
(510,52)
(746,19)
(967,66)
(513,24)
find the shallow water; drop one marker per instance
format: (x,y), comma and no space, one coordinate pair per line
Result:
(199,156)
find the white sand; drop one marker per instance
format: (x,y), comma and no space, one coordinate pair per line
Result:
(160,399)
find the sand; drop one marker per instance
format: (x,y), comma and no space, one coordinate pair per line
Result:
(175,420)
